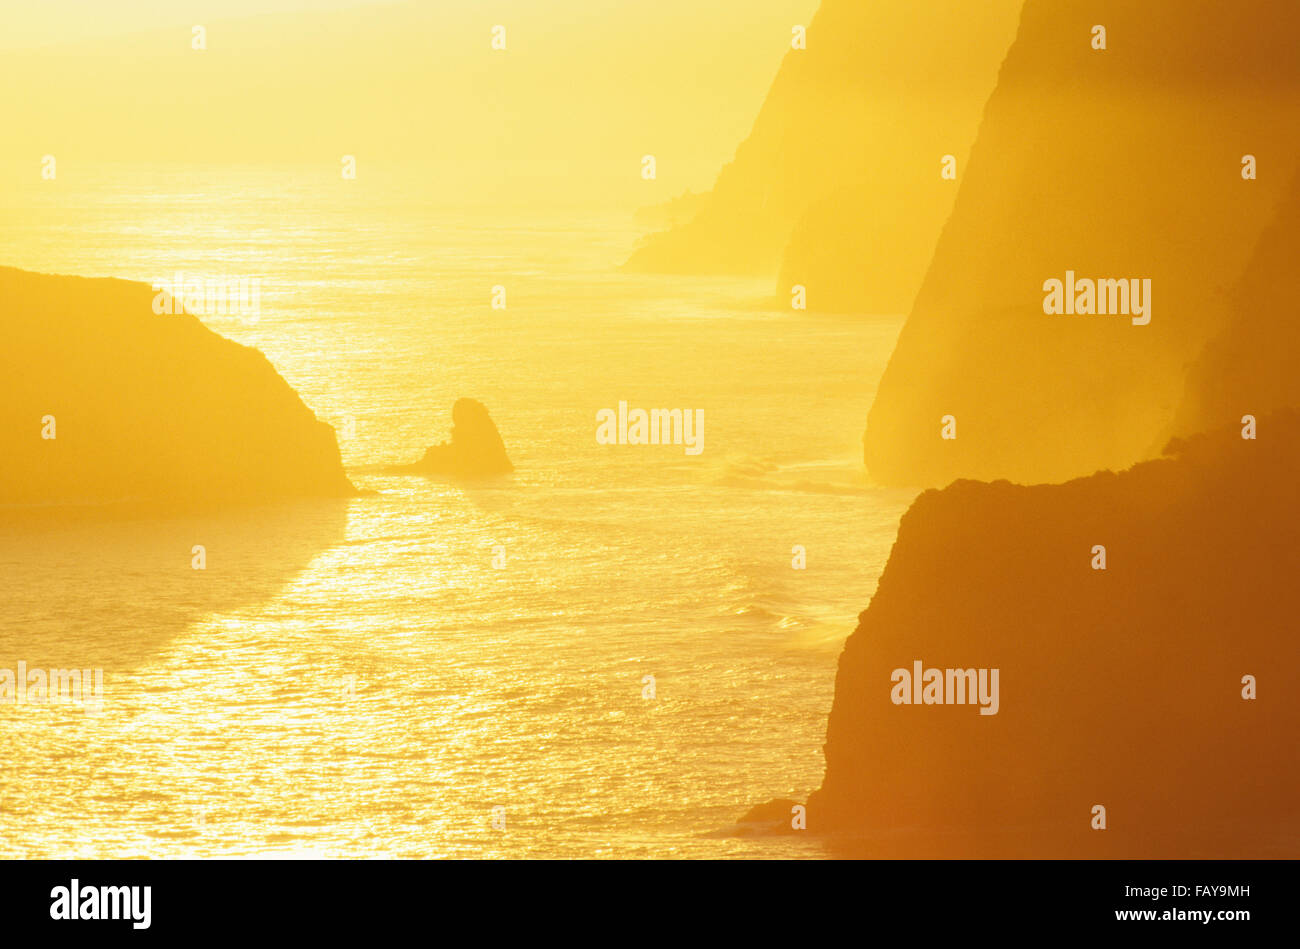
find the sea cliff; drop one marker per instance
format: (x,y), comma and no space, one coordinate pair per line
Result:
(1122,685)
(839,186)
(1125,163)
(103,401)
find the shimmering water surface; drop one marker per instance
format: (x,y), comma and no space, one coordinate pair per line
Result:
(358,678)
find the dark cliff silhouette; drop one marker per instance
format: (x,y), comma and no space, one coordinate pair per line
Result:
(1119,687)
(475,450)
(1116,163)
(838,186)
(1160,688)
(1250,368)
(145,409)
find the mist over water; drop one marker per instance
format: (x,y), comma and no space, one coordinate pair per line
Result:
(358,678)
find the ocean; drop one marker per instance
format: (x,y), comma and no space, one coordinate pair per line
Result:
(435,669)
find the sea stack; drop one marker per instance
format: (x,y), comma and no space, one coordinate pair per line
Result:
(475,450)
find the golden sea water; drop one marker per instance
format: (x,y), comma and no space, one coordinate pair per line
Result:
(359,678)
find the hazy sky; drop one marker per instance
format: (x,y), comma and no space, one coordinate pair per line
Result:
(45,22)
(596,84)
(61,21)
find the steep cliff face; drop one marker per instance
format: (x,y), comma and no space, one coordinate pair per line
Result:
(1120,163)
(1119,687)
(143,407)
(1251,367)
(839,184)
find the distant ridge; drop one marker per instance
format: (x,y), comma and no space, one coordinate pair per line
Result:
(838,185)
